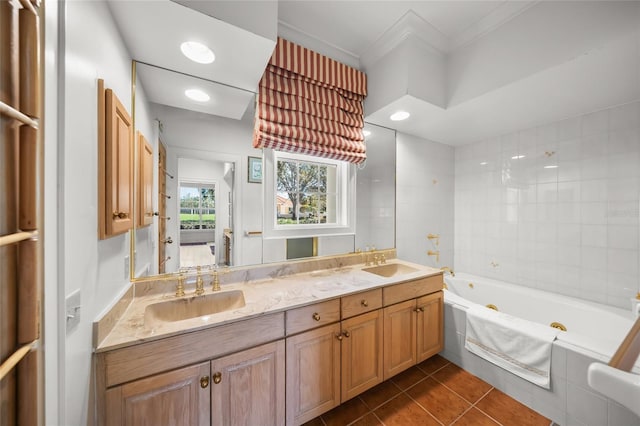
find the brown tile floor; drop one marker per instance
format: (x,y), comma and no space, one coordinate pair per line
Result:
(435,392)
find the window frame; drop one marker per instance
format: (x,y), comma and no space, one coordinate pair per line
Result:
(345,199)
(200,185)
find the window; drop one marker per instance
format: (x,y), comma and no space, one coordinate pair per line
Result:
(306,192)
(197,207)
(307,196)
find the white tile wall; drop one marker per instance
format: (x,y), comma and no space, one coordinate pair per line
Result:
(573,228)
(424,200)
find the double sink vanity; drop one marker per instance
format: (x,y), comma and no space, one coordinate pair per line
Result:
(279,344)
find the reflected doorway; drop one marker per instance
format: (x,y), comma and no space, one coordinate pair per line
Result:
(197,224)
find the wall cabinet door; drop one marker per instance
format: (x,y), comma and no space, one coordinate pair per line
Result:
(399,337)
(362,350)
(145,181)
(430,323)
(119,166)
(248,387)
(313,373)
(179,397)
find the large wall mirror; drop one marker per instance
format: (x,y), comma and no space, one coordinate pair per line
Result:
(207,193)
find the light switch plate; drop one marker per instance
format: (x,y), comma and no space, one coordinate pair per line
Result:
(72,309)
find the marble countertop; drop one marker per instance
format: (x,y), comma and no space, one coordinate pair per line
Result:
(262,296)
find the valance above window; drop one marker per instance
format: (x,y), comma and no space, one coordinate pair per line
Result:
(310,104)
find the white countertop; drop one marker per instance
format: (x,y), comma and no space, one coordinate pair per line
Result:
(262,296)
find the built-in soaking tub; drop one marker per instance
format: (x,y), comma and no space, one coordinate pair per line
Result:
(593,333)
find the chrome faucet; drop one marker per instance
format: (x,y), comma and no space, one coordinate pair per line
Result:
(199,282)
(447,269)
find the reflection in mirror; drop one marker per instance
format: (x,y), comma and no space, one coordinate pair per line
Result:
(213,210)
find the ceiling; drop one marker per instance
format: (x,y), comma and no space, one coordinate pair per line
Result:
(466,70)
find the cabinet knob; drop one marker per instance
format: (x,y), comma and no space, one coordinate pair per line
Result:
(364,303)
(217,377)
(418,309)
(316,316)
(339,336)
(204,382)
(120,215)
(346,333)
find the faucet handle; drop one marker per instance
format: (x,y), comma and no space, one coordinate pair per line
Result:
(383,258)
(180,286)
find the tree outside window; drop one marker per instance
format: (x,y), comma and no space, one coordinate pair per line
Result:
(197,207)
(306,192)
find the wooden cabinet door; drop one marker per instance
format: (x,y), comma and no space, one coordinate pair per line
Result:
(119,166)
(313,373)
(362,352)
(430,323)
(145,182)
(248,387)
(399,337)
(174,398)
(162,206)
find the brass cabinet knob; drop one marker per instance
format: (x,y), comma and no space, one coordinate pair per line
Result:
(120,215)
(204,382)
(418,309)
(339,336)
(316,316)
(346,334)
(217,377)
(364,303)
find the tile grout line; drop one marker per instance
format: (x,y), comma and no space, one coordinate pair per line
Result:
(420,405)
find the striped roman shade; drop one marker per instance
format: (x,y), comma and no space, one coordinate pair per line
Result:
(310,104)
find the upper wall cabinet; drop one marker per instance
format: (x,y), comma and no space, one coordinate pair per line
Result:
(115,171)
(145,182)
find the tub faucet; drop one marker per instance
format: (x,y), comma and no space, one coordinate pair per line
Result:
(447,269)
(435,253)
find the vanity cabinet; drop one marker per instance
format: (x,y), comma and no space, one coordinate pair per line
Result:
(331,364)
(178,397)
(413,332)
(247,388)
(244,388)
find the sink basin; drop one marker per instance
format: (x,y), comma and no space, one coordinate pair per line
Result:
(193,307)
(390,269)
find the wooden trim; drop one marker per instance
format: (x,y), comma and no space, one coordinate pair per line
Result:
(28,179)
(27,5)
(28,292)
(15,358)
(17,115)
(628,351)
(30,100)
(6,240)
(28,380)
(102,162)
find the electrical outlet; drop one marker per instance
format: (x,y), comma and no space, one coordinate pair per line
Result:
(127,267)
(72,309)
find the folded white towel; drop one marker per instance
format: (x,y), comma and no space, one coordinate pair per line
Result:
(517,345)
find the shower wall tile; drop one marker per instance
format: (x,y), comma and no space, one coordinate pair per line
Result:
(565,217)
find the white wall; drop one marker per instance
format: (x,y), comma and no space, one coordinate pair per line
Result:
(96,268)
(195,135)
(573,229)
(424,200)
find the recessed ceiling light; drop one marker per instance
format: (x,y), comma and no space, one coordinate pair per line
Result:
(484,163)
(517,157)
(197,52)
(551,167)
(366,133)
(196,95)
(399,116)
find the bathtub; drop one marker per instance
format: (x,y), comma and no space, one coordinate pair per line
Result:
(594,332)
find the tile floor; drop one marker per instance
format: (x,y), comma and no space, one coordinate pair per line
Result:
(435,392)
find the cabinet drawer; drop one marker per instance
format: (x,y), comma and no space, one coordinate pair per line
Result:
(312,316)
(360,303)
(411,289)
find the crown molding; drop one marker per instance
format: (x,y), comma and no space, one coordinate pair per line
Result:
(496,18)
(299,36)
(410,24)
